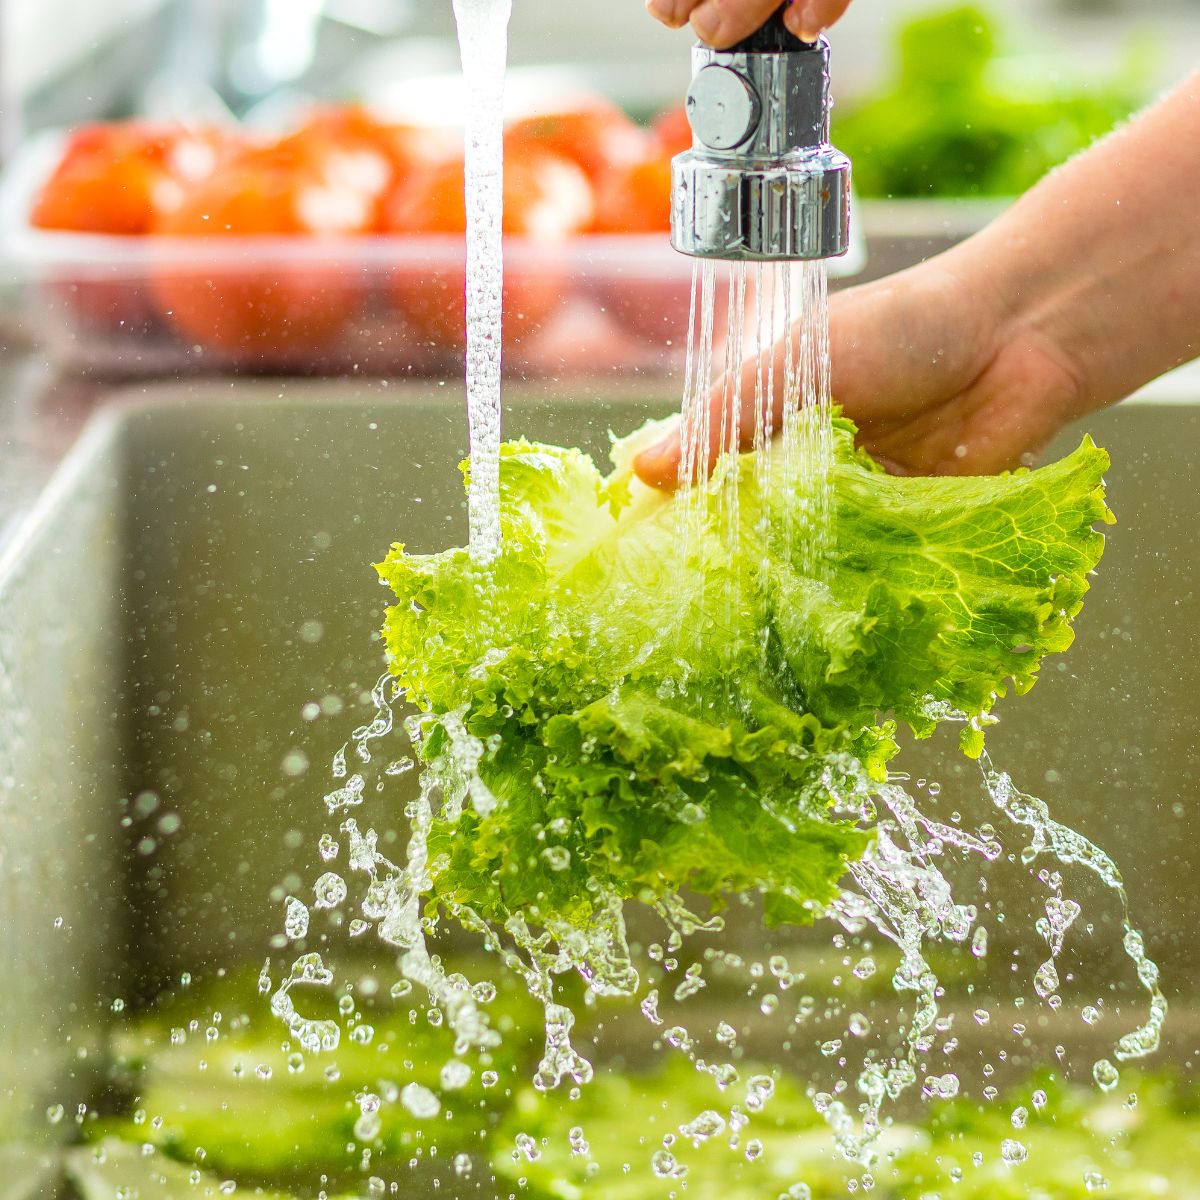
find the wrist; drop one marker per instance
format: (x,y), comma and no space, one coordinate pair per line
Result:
(1032,307)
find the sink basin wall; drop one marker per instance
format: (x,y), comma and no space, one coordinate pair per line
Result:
(199,571)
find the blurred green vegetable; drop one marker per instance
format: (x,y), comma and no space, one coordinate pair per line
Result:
(959,119)
(211,1079)
(1071,1145)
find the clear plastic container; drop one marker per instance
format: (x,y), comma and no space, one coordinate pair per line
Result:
(377,304)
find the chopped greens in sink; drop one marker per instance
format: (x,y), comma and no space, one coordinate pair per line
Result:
(756,1138)
(207,1071)
(629,731)
(1074,1144)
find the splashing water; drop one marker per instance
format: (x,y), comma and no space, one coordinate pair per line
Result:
(483,43)
(771,391)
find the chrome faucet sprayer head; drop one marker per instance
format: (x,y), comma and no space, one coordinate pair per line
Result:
(761,180)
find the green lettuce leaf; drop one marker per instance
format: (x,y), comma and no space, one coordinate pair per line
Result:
(644,714)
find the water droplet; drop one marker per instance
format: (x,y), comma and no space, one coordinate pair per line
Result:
(1013,1152)
(663,1163)
(420,1101)
(329,891)
(707,1125)
(455,1074)
(295,920)
(527,1148)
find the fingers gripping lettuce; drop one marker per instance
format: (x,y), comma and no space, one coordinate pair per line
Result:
(648,715)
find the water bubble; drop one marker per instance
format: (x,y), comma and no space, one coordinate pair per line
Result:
(55,1114)
(1040,1100)
(1094,1181)
(1020,1117)
(489,1079)
(295,1063)
(726,1034)
(864,968)
(858,1025)
(979,943)
(982,1016)
(1105,1074)
(362,1034)
(401,988)
(1090,1014)
(462,1165)
(754,1149)
(328,847)
(577,1141)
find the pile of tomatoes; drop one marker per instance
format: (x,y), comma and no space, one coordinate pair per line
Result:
(344,173)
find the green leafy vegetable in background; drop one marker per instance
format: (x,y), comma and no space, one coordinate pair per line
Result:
(957,119)
(260,1111)
(1077,1145)
(647,720)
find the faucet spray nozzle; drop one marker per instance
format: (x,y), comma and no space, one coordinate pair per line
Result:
(761,181)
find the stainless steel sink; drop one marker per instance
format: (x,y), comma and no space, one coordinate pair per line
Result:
(198,571)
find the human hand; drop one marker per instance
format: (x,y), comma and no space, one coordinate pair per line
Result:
(939,375)
(721,23)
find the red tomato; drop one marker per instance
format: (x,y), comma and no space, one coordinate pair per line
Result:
(671,131)
(116,179)
(120,178)
(546,198)
(596,135)
(281,307)
(375,156)
(636,200)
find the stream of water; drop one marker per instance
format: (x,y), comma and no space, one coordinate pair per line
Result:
(483,42)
